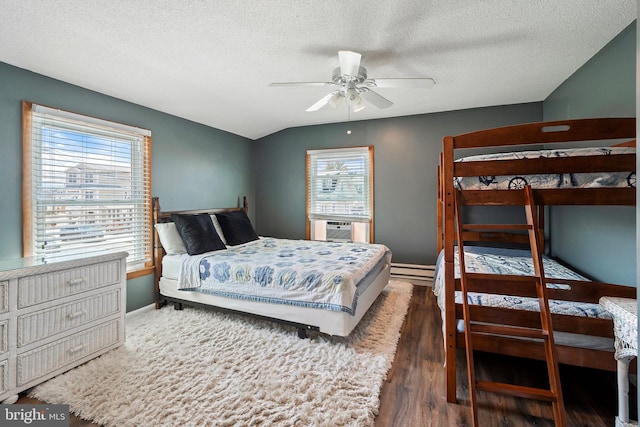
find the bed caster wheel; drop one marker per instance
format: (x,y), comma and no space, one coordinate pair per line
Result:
(177,306)
(302,333)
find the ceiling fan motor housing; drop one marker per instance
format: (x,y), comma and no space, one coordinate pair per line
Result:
(340,79)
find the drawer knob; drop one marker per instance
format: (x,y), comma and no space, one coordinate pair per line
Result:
(76,349)
(78,281)
(75,314)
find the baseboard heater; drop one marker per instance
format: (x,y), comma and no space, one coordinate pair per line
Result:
(413,271)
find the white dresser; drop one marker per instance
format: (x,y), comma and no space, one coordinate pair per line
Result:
(56,315)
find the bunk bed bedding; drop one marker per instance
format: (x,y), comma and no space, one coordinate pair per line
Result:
(571,180)
(517,262)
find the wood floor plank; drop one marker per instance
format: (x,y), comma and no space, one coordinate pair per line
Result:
(413,393)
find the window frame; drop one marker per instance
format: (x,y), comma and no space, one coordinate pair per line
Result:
(143,267)
(308,171)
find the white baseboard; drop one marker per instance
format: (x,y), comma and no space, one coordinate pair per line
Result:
(413,271)
(141,310)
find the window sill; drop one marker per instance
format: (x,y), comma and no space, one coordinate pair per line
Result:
(140,272)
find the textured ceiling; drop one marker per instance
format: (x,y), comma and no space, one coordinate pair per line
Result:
(212,61)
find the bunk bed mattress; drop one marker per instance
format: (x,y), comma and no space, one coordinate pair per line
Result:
(571,180)
(513,261)
(518,262)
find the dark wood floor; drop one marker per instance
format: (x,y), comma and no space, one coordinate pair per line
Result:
(414,393)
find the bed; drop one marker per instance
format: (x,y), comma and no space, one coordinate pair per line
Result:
(313,286)
(540,155)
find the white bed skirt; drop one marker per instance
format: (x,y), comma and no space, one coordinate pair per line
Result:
(328,322)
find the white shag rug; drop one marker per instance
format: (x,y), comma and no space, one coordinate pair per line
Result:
(198,367)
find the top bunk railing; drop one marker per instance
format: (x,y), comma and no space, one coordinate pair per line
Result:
(547,133)
(523,137)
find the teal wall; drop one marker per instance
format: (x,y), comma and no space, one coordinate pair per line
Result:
(602,87)
(406,151)
(194,166)
(598,240)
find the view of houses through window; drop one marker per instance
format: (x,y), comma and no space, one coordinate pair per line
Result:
(90,188)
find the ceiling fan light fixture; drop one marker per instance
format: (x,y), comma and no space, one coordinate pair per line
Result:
(352,96)
(359,106)
(336,99)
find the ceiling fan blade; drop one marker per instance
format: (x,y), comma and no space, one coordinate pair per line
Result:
(410,83)
(302,84)
(349,62)
(321,103)
(376,99)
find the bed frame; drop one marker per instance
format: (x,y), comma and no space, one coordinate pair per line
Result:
(530,137)
(258,310)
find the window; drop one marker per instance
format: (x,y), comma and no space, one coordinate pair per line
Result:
(86,187)
(340,188)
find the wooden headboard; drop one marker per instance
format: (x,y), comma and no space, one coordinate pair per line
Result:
(162,217)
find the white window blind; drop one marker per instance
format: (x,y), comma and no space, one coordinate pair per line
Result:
(89,186)
(340,184)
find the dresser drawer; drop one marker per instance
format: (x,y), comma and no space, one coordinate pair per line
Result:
(45,323)
(46,287)
(43,360)
(4,337)
(4,296)
(4,376)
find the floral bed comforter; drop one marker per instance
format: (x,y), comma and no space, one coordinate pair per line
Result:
(296,272)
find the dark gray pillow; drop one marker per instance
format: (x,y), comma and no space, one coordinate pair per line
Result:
(236,227)
(198,233)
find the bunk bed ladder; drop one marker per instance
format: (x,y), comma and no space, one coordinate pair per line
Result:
(544,334)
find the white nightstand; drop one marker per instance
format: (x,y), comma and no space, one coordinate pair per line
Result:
(625,327)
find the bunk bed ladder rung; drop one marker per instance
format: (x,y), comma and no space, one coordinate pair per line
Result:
(510,331)
(545,333)
(474,227)
(517,391)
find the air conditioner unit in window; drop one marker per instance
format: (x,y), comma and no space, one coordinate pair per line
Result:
(338,231)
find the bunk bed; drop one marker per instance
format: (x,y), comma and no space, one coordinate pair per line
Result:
(537,156)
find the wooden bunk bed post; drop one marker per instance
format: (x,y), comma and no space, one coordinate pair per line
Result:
(439,206)
(450,315)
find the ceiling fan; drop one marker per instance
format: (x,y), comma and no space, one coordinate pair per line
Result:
(354,85)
